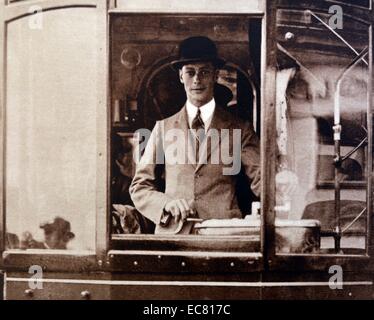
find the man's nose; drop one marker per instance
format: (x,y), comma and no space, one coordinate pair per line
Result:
(197,77)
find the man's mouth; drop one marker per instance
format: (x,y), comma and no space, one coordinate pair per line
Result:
(198,89)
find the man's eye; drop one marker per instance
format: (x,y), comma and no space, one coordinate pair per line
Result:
(205,73)
(190,73)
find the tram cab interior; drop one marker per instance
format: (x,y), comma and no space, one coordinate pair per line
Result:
(76,92)
(145,90)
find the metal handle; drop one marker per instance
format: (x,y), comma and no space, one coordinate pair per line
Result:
(29,292)
(194,220)
(86,294)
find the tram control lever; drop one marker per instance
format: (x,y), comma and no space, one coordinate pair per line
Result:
(167,217)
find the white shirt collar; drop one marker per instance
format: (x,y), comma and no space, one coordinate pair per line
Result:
(206,110)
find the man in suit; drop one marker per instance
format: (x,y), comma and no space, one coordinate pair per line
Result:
(199,181)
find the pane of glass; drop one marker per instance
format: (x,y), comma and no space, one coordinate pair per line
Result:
(322,104)
(146,89)
(51,131)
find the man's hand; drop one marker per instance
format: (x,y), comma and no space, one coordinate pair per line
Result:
(180,209)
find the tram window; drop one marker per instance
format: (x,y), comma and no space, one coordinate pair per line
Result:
(50,140)
(322,130)
(145,88)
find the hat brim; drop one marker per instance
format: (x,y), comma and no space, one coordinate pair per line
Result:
(70,235)
(178,64)
(48,226)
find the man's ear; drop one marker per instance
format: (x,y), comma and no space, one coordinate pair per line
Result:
(180,75)
(216,72)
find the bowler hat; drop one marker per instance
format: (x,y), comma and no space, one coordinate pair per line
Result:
(196,49)
(60,225)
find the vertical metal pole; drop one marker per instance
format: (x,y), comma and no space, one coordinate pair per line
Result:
(337,135)
(337,236)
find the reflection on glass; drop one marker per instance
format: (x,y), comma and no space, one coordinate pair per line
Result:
(57,235)
(322,142)
(50,165)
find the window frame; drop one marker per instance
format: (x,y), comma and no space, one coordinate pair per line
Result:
(59,260)
(130,246)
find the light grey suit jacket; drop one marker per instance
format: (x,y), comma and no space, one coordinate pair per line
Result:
(213,192)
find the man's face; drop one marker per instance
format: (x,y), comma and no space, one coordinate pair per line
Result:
(54,239)
(198,79)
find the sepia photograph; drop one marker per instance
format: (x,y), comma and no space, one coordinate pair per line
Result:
(165,150)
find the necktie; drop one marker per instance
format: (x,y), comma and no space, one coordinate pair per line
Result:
(198,125)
